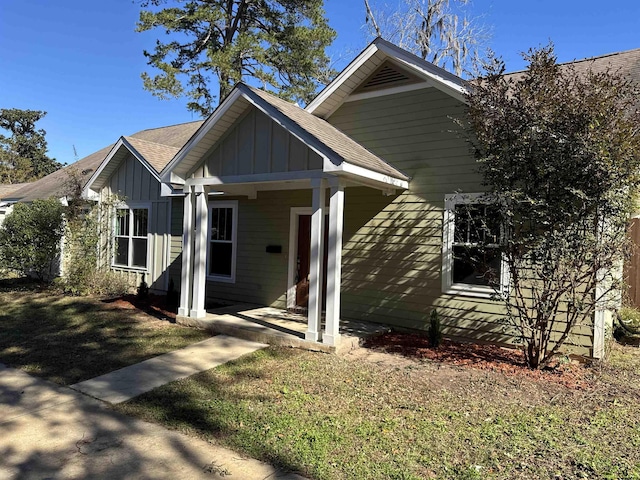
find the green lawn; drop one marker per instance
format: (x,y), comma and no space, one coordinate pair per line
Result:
(329,417)
(70,339)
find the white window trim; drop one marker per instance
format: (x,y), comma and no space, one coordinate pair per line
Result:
(233,204)
(131,206)
(448,229)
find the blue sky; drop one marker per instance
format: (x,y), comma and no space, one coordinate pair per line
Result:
(81,60)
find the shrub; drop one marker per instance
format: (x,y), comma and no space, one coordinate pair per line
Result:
(30,238)
(435,330)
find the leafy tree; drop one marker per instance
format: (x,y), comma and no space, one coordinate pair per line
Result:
(23,154)
(559,151)
(440,31)
(279,43)
(30,238)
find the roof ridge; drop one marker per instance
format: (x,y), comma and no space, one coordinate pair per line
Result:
(582,60)
(166,126)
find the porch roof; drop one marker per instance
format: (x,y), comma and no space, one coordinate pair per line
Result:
(340,153)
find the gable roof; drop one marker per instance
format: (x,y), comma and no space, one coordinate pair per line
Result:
(317,134)
(57,183)
(365,64)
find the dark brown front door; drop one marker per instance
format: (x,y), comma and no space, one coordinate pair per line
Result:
(304,262)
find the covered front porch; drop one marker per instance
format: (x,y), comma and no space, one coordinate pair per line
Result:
(252,149)
(279,327)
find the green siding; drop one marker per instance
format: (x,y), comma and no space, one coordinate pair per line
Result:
(261,277)
(393,246)
(255,145)
(134,183)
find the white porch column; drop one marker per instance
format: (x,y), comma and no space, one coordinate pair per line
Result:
(200,254)
(315,267)
(187,241)
(331,334)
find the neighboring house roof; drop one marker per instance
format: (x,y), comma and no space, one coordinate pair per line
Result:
(7,190)
(349,81)
(57,184)
(625,63)
(316,133)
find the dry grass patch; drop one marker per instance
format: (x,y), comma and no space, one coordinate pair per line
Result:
(372,415)
(70,339)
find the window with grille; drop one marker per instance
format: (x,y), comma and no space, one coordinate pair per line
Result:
(131,237)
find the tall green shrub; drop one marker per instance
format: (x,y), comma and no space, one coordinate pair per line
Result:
(30,238)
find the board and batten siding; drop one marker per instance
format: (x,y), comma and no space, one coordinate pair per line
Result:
(255,145)
(392,257)
(132,182)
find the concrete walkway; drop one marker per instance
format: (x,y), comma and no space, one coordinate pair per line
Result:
(49,431)
(126,383)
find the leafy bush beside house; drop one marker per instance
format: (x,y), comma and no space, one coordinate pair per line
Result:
(30,238)
(560,154)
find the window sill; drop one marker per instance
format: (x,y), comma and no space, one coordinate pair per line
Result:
(212,278)
(131,269)
(469,291)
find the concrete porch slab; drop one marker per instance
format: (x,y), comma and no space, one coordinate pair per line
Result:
(278,327)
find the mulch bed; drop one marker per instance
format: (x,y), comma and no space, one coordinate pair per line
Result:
(509,361)
(155,305)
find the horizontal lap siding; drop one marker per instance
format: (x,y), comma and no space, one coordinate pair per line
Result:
(261,277)
(392,255)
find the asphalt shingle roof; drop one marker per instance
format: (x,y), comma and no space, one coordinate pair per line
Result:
(345,147)
(155,142)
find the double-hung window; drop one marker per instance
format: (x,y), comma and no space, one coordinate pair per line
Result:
(131,237)
(223,231)
(472,262)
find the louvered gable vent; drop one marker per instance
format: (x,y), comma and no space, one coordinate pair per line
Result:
(387,75)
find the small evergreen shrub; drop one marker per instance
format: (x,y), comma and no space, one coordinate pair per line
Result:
(435,330)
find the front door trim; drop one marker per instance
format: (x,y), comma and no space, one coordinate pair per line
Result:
(293,252)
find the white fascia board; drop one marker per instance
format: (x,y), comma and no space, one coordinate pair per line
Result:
(86,191)
(290,126)
(167,174)
(367,174)
(441,79)
(366,54)
(122,142)
(142,160)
